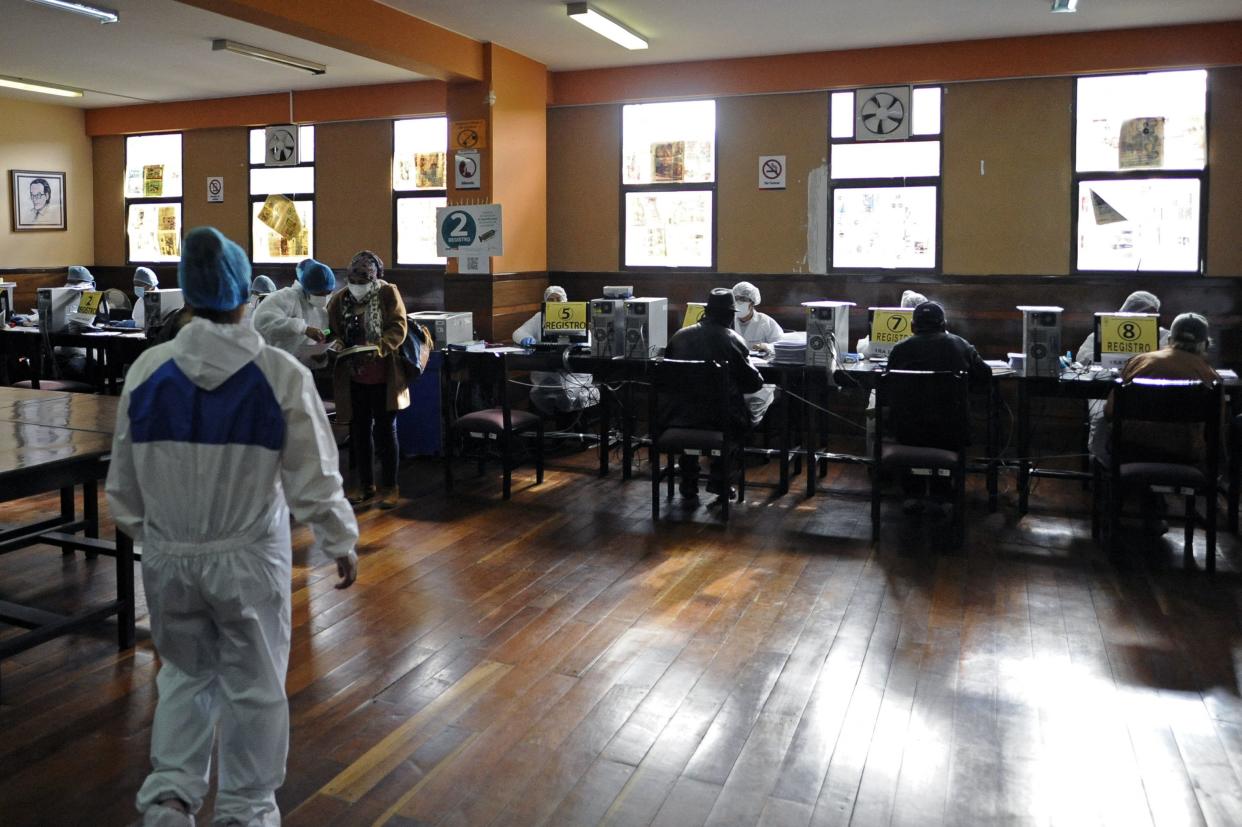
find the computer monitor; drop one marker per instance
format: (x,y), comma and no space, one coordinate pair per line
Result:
(565,323)
(1118,336)
(887,326)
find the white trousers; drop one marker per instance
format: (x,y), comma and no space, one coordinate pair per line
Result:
(220,621)
(757,403)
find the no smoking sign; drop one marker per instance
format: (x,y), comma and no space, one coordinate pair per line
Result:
(771,172)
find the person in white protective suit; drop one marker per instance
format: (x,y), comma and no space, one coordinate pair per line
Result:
(294,318)
(144,280)
(555,391)
(760,331)
(218,437)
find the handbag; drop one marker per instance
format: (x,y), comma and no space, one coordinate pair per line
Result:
(415,350)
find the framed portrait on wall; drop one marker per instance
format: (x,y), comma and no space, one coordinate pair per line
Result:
(37,200)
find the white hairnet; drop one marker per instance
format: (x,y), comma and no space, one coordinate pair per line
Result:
(911,298)
(145,277)
(744,291)
(555,293)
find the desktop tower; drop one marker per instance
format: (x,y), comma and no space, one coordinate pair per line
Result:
(156,304)
(1041,340)
(827,332)
(6,300)
(607,325)
(646,327)
(55,306)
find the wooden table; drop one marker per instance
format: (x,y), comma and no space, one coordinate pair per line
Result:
(56,441)
(108,353)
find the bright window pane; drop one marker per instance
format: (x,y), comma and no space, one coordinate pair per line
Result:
(897,159)
(843,114)
(891,227)
(284,180)
(416,230)
(669,142)
(668,229)
(419,149)
(306,145)
(1149,121)
(925,119)
(268,247)
(154,232)
(153,166)
(1139,225)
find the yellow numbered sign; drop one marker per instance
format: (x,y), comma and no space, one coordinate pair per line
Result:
(88,302)
(694,312)
(1129,334)
(890,325)
(565,316)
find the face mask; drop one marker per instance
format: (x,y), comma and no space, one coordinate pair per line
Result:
(318,301)
(138,291)
(744,309)
(359,291)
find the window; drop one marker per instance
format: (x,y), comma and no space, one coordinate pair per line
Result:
(1140,159)
(668,184)
(419,170)
(153,198)
(295,183)
(885,194)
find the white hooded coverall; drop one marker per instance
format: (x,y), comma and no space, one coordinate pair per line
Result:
(556,391)
(282,319)
(217,437)
(761,329)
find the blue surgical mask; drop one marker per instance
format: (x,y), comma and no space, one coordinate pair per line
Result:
(138,291)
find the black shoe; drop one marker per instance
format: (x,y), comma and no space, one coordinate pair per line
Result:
(718,488)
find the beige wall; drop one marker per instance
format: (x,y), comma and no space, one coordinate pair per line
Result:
(584,188)
(765,231)
(1224,232)
(353,191)
(211,152)
(109,173)
(46,137)
(1013,218)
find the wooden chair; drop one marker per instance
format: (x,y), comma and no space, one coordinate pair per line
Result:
(496,425)
(1170,402)
(710,382)
(929,414)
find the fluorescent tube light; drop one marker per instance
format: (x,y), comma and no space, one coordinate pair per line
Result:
(601,23)
(102,15)
(36,86)
(1064,6)
(268,56)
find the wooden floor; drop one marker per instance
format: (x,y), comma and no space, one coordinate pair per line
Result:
(559,660)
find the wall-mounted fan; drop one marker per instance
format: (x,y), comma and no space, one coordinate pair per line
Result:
(882,113)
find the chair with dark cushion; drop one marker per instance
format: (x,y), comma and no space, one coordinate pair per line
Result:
(1172,403)
(922,426)
(495,425)
(712,439)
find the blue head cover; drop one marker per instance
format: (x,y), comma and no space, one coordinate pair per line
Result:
(214,273)
(316,277)
(80,275)
(262,285)
(145,277)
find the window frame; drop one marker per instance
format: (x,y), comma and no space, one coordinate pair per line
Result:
(179,200)
(1202,175)
(254,198)
(935,181)
(399,195)
(709,186)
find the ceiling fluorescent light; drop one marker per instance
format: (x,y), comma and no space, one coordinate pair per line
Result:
(36,86)
(601,23)
(102,15)
(270,57)
(1064,6)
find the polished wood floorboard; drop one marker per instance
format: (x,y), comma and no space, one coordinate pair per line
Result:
(559,660)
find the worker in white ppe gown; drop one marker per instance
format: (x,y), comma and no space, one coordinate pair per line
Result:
(144,280)
(761,332)
(294,318)
(557,391)
(218,437)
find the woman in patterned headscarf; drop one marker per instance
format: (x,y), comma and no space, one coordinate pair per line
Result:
(370,387)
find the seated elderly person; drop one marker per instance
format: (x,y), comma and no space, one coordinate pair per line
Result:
(910,299)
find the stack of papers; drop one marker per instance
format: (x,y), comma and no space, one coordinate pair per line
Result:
(791,349)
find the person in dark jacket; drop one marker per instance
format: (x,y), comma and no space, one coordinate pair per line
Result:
(933,348)
(712,340)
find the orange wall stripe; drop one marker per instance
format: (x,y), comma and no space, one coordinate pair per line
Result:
(1216,44)
(346,103)
(365,28)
